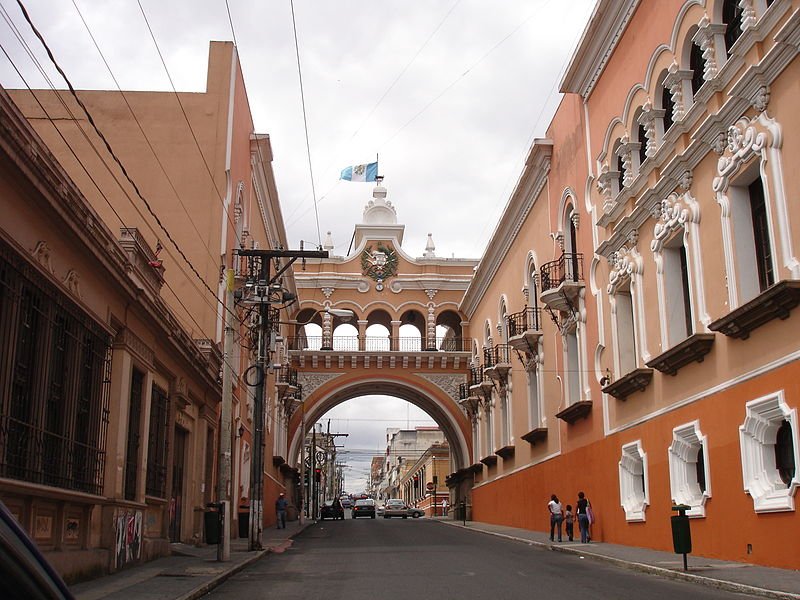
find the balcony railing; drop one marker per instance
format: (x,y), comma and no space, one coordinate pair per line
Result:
(500,354)
(379,344)
(567,268)
(528,319)
(287,376)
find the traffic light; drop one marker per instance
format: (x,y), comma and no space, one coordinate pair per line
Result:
(318,475)
(305,478)
(416,481)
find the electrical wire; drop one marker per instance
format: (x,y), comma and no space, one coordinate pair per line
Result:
(111,150)
(144,135)
(305,123)
(220,194)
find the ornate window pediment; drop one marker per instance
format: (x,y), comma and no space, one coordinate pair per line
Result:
(673,213)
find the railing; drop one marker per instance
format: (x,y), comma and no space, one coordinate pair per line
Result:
(527,319)
(567,268)
(476,376)
(463,391)
(38,456)
(379,344)
(501,353)
(288,376)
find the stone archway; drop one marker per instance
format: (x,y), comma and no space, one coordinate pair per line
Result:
(420,390)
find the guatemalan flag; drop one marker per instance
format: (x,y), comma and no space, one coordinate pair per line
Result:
(366,172)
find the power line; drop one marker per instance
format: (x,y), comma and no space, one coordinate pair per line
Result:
(141,129)
(305,123)
(111,150)
(220,195)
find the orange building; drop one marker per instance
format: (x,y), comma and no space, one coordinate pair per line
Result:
(636,305)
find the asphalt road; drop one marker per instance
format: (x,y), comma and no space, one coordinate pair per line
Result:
(380,559)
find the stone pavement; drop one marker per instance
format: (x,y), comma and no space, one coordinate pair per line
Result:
(189,573)
(744,578)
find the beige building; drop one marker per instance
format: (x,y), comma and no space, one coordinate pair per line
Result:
(197,185)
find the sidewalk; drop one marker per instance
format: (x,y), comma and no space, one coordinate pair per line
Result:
(744,578)
(189,573)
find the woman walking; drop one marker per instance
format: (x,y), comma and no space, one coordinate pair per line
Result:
(556,516)
(582,509)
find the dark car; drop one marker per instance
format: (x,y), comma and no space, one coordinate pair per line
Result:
(25,574)
(364,508)
(331,509)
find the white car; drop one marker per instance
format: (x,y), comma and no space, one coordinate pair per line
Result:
(395,508)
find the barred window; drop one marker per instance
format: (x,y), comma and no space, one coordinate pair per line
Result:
(54,383)
(157,444)
(134,434)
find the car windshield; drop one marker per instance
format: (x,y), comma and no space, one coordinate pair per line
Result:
(366,502)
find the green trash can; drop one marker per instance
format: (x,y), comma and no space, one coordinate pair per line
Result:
(244,521)
(211,522)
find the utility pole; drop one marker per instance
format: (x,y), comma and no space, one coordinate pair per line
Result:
(264,289)
(224,479)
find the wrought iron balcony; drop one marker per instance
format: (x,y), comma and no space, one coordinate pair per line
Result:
(497,362)
(524,329)
(286,381)
(561,281)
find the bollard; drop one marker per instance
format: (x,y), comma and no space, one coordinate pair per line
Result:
(681,533)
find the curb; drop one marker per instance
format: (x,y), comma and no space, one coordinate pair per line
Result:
(720,584)
(206,587)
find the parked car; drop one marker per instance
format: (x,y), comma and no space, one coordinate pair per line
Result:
(364,508)
(416,512)
(24,571)
(331,509)
(395,508)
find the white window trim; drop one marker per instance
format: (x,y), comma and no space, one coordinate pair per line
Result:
(761,139)
(632,465)
(757,440)
(682,453)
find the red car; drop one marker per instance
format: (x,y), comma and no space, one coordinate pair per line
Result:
(364,508)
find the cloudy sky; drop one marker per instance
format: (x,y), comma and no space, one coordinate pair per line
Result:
(448,93)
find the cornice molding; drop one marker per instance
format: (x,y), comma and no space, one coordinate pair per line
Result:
(531,183)
(597,43)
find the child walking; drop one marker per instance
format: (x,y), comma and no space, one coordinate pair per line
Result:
(569,518)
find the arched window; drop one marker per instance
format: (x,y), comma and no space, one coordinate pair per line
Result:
(669,107)
(732,18)
(642,139)
(696,65)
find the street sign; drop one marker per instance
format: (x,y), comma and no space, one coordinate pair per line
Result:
(430,486)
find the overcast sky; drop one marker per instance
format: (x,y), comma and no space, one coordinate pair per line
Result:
(448,93)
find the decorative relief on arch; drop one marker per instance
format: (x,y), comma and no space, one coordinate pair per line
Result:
(447,383)
(312,381)
(42,255)
(625,262)
(745,140)
(673,213)
(73,282)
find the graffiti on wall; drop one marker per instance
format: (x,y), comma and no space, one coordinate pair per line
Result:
(128,532)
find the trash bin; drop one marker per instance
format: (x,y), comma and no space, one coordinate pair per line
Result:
(244,521)
(681,534)
(212,526)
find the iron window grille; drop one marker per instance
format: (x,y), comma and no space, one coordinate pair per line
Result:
(157,444)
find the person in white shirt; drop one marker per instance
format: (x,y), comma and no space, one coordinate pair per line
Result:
(556,516)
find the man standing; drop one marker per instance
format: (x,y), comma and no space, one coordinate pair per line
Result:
(280,509)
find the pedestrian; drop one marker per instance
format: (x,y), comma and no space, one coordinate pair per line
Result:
(280,510)
(583,508)
(569,519)
(444,507)
(556,516)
